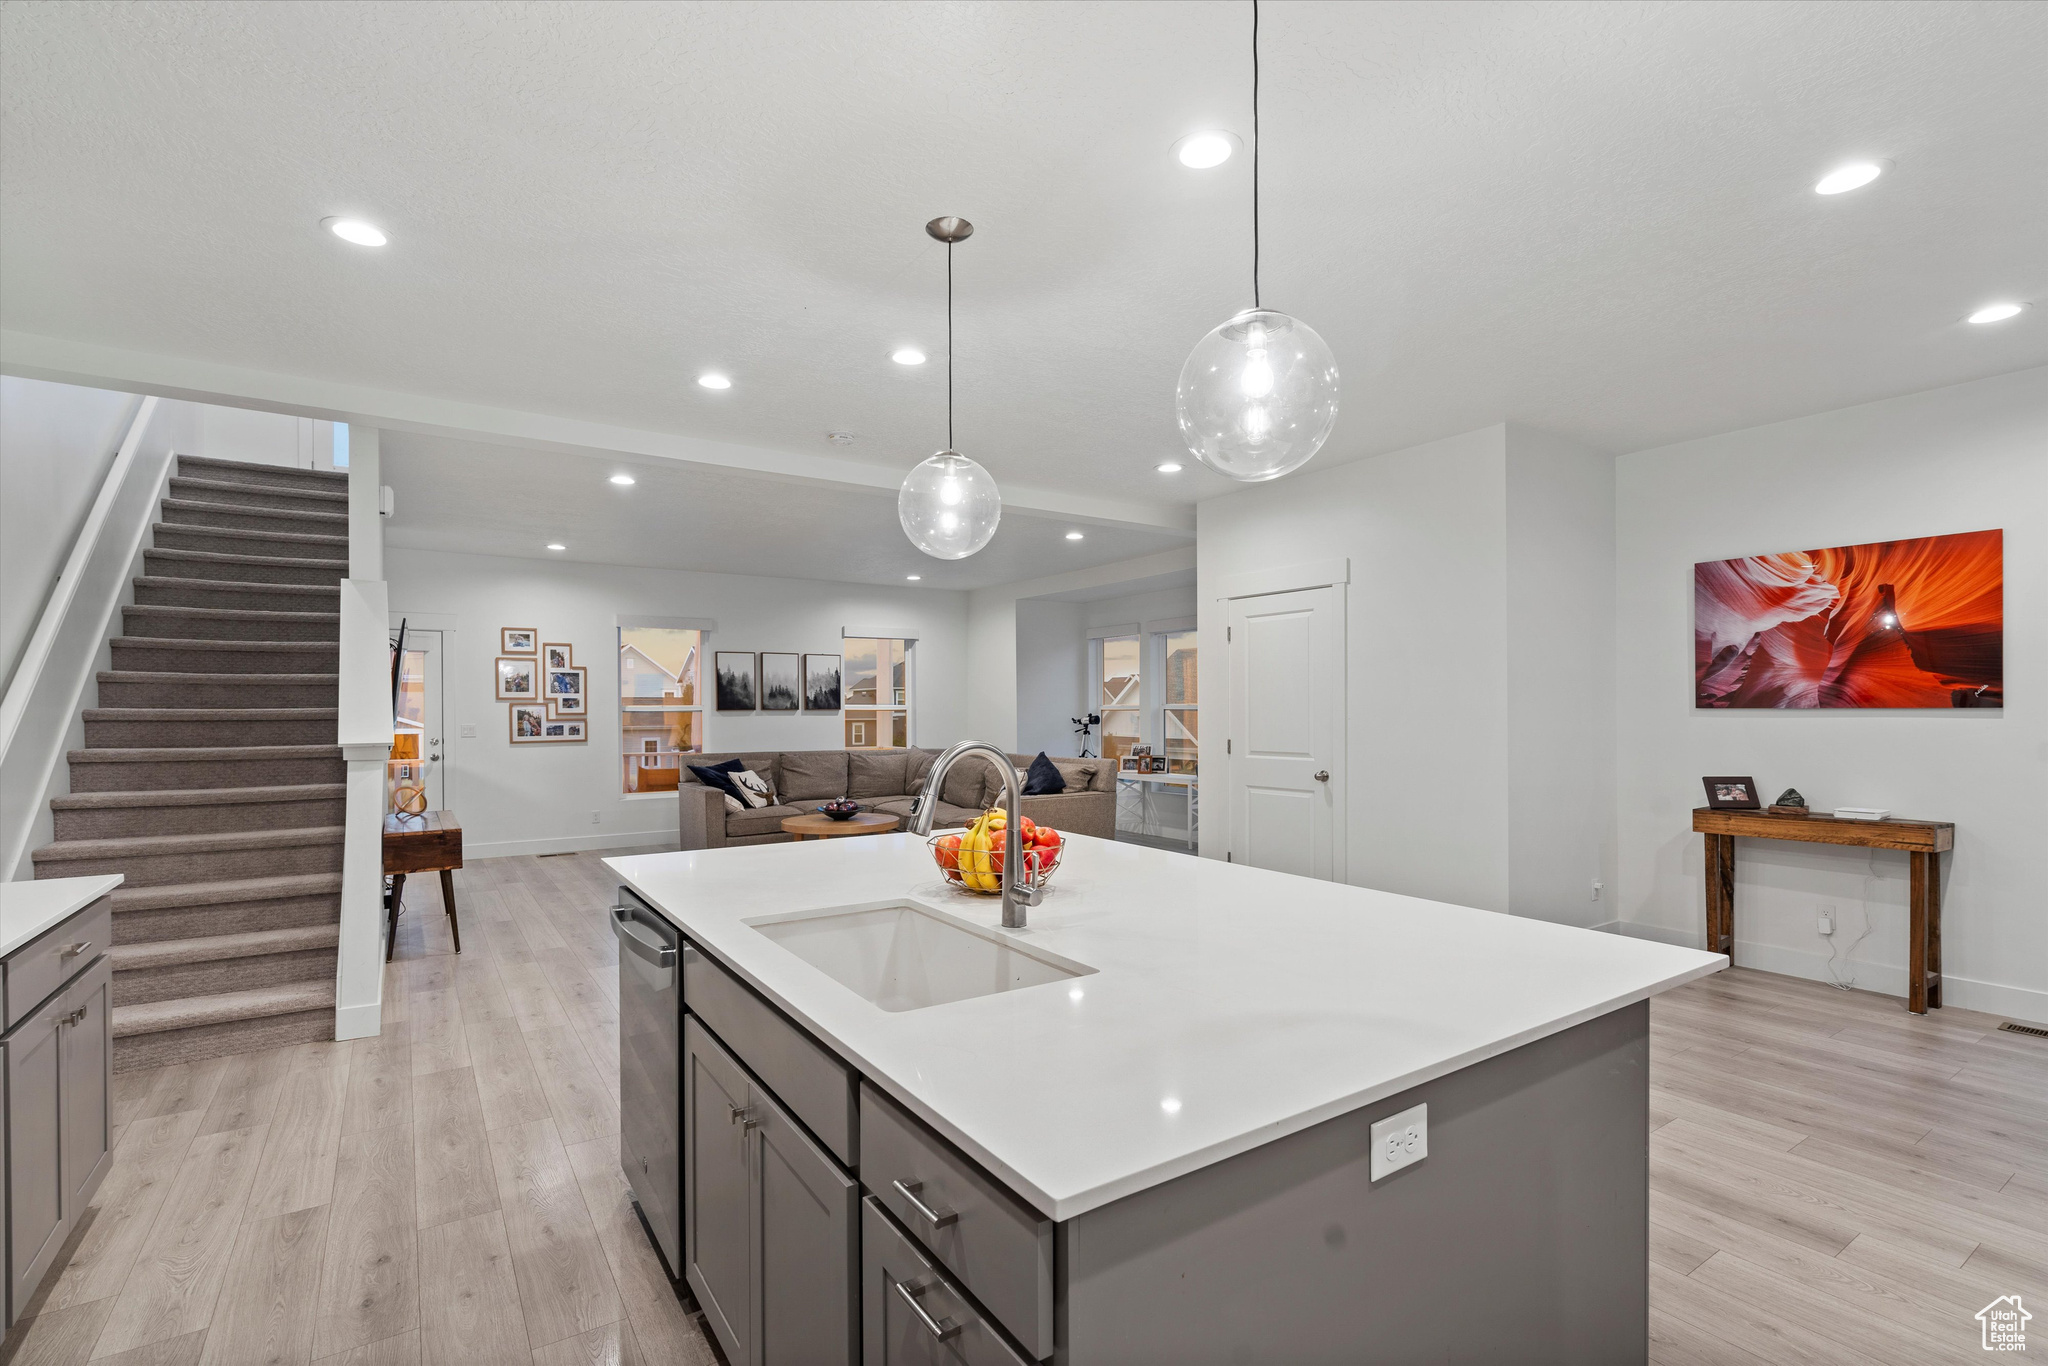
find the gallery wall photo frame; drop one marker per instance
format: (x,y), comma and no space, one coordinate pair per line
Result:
(565,689)
(735,686)
(518,679)
(781,681)
(518,640)
(527,722)
(557,655)
(822,682)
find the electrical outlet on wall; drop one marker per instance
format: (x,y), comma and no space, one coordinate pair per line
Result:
(593,818)
(1827,920)
(467,732)
(1400,1140)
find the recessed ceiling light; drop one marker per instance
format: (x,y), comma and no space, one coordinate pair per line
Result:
(909,355)
(1202,151)
(1073,535)
(714,381)
(556,545)
(1171,1105)
(841,438)
(1168,467)
(1854,176)
(622,480)
(1996,313)
(355,230)
(913,577)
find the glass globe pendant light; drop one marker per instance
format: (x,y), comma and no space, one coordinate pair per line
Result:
(949,505)
(1258,395)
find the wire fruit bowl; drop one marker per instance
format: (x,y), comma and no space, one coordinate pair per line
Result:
(1041,862)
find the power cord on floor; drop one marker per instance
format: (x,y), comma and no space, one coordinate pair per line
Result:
(1870,881)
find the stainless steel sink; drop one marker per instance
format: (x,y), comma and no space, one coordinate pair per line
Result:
(903,956)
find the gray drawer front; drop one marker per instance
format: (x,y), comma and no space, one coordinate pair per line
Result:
(893,1331)
(42,965)
(998,1247)
(810,1082)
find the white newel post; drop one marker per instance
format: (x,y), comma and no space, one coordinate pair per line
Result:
(364,733)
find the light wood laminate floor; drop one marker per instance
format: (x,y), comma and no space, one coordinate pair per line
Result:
(1832,1179)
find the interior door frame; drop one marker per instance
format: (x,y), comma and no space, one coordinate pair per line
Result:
(1335,575)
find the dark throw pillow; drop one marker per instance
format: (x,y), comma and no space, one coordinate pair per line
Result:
(1043,778)
(720,777)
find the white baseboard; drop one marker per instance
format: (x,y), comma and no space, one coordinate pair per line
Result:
(622,841)
(1993,998)
(359,1021)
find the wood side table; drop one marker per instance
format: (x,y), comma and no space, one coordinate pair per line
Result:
(1923,841)
(817,827)
(426,843)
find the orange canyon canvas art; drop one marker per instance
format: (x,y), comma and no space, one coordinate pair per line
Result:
(1917,623)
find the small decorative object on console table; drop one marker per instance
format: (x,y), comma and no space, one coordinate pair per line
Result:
(1732,794)
(1923,841)
(1789,803)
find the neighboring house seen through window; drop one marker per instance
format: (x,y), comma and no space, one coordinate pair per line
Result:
(661,707)
(876,676)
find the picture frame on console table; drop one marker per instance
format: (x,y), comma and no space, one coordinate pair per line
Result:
(1732,794)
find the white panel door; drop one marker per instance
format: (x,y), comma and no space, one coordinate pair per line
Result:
(1286,777)
(419,758)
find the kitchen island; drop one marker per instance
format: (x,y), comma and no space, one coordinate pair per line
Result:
(1152,1137)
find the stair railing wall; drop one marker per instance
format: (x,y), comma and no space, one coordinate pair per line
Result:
(364,732)
(41,715)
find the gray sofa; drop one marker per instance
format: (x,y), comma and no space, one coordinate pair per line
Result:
(886,780)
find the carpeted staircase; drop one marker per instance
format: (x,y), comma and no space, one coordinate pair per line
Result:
(210,774)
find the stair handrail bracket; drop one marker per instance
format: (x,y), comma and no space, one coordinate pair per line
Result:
(363,729)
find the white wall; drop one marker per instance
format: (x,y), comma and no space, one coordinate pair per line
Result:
(56,444)
(1965,458)
(1560,678)
(1052,663)
(259,438)
(539,798)
(1425,530)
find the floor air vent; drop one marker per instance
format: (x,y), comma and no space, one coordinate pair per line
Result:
(2034,1030)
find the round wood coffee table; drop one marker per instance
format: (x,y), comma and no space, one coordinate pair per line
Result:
(817,827)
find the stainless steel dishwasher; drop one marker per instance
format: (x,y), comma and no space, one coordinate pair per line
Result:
(650,1070)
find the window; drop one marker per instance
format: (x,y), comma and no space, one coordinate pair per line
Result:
(876,676)
(1118,693)
(1179,726)
(661,709)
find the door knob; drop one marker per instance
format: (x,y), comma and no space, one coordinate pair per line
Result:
(1322,775)
(433,758)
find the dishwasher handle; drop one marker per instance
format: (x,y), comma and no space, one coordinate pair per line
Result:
(636,939)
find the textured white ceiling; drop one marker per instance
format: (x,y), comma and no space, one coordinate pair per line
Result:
(1592,217)
(487,499)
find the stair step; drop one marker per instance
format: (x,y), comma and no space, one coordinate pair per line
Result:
(216,565)
(242,517)
(154,860)
(228,623)
(207,727)
(138,689)
(182,910)
(149,654)
(189,1028)
(226,540)
(276,476)
(246,494)
(197,810)
(162,969)
(220,766)
(154,591)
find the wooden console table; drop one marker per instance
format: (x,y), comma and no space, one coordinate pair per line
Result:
(426,843)
(1922,841)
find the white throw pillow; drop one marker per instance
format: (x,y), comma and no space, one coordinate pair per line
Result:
(756,789)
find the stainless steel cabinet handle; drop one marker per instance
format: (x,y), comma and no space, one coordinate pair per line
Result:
(76,949)
(74,1017)
(941,1329)
(1322,775)
(642,943)
(742,1115)
(937,1218)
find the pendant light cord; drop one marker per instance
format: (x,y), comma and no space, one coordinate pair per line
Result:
(1255,156)
(949,346)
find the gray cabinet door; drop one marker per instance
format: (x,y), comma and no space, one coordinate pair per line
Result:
(807,1236)
(718,1195)
(38,1213)
(911,1314)
(86,1062)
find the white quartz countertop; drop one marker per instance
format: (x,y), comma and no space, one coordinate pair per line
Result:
(1229,1007)
(29,908)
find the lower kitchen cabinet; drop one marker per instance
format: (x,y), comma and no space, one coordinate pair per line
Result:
(770,1226)
(912,1314)
(55,1074)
